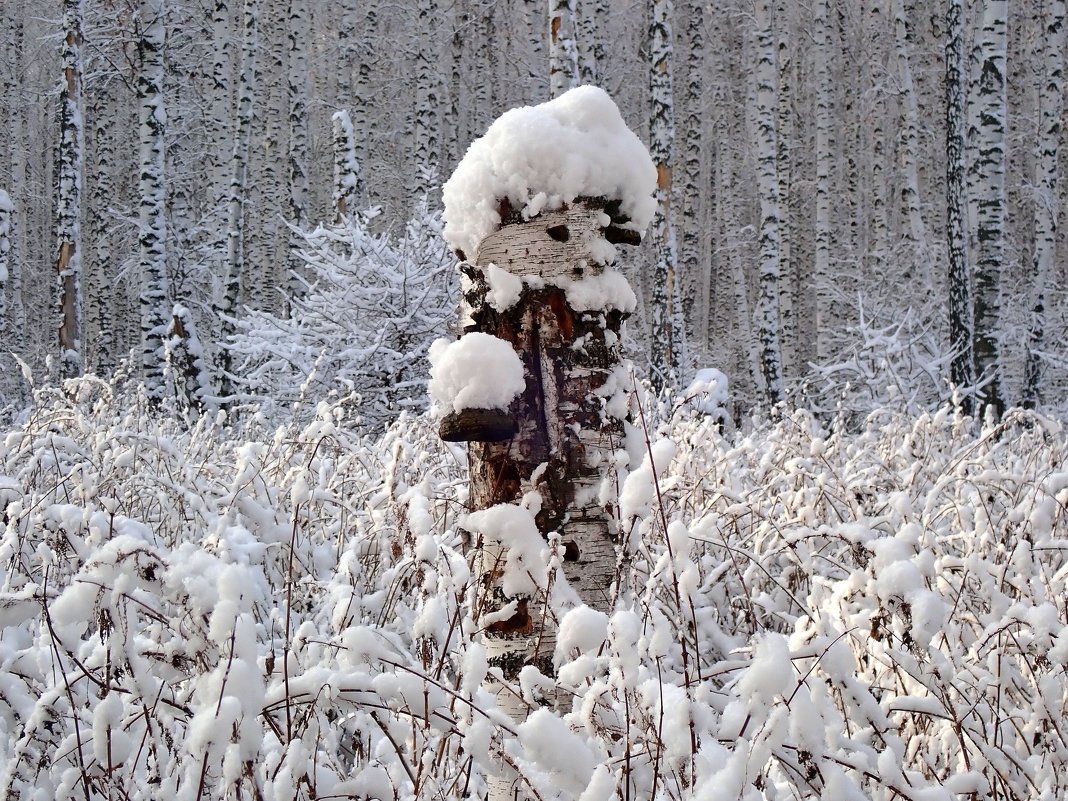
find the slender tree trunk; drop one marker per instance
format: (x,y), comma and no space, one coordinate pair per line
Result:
(825,127)
(664,342)
(426,127)
(1051,89)
(68,212)
(221,103)
(785,137)
(298,141)
(152,238)
(767,312)
(910,193)
(346,168)
(989,167)
(592,15)
(235,231)
(563,53)
(962,367)
(102,247)
(6,211)
(695,227)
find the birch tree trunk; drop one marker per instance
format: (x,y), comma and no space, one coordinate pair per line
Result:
(1051,89)
(825,144)
(6,211)
(664,342)
(785,136)
(767,312)
(592,15)
(297,32)
(102,253)
(563,53)
(962,367)
(568,423)
(426,130)
(692,259)
(220,107)
(68,211)
(346,168)
(152,237)
(235,229)
(989,169)
(910,193)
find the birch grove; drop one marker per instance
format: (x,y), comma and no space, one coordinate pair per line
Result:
(856,233)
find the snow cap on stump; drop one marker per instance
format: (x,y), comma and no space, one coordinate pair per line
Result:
(541,158)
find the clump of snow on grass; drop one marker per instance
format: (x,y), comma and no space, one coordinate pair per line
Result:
(477,371)
(639,490)
(526,552)
(542,157)
(708,392)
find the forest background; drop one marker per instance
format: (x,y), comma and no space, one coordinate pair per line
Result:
(188,151)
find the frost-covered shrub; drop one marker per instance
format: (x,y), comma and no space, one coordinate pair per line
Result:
(901,363)
(373,305)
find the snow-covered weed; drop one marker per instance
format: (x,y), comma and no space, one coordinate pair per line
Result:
(278,613)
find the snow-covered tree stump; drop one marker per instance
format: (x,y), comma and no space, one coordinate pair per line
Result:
(535,210)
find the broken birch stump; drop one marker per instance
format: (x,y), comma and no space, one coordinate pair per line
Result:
(534,211)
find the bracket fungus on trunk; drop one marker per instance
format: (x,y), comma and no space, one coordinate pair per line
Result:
(535,211)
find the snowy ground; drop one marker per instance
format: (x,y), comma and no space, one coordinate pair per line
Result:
(253,613)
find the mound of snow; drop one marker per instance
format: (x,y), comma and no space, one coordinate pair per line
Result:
(543,157)
(477,371)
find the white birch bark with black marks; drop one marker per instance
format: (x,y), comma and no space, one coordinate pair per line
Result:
(693,261)
(664,341)
(563,51)
(297,33)
(267,239)
(7,209)
(426,126)
(592,16)
(1046,197)
(879,238)
(916,233)
(989,200)
(103,250)
(346,49)
(825,147)
(152,234)
(785,135)
(565,435)
(69,199)
(767,311)
(17,332)
(226,309)
(221,104)
(962,366)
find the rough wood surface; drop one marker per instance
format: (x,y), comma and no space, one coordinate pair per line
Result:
(564,441)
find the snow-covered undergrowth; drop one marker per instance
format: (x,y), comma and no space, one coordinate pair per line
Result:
(280,614)
(373,303)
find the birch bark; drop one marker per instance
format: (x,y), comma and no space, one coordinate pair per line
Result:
(68,211)
(767,312)
(962,367)
(1050,100)
(152,237)
(989,170)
